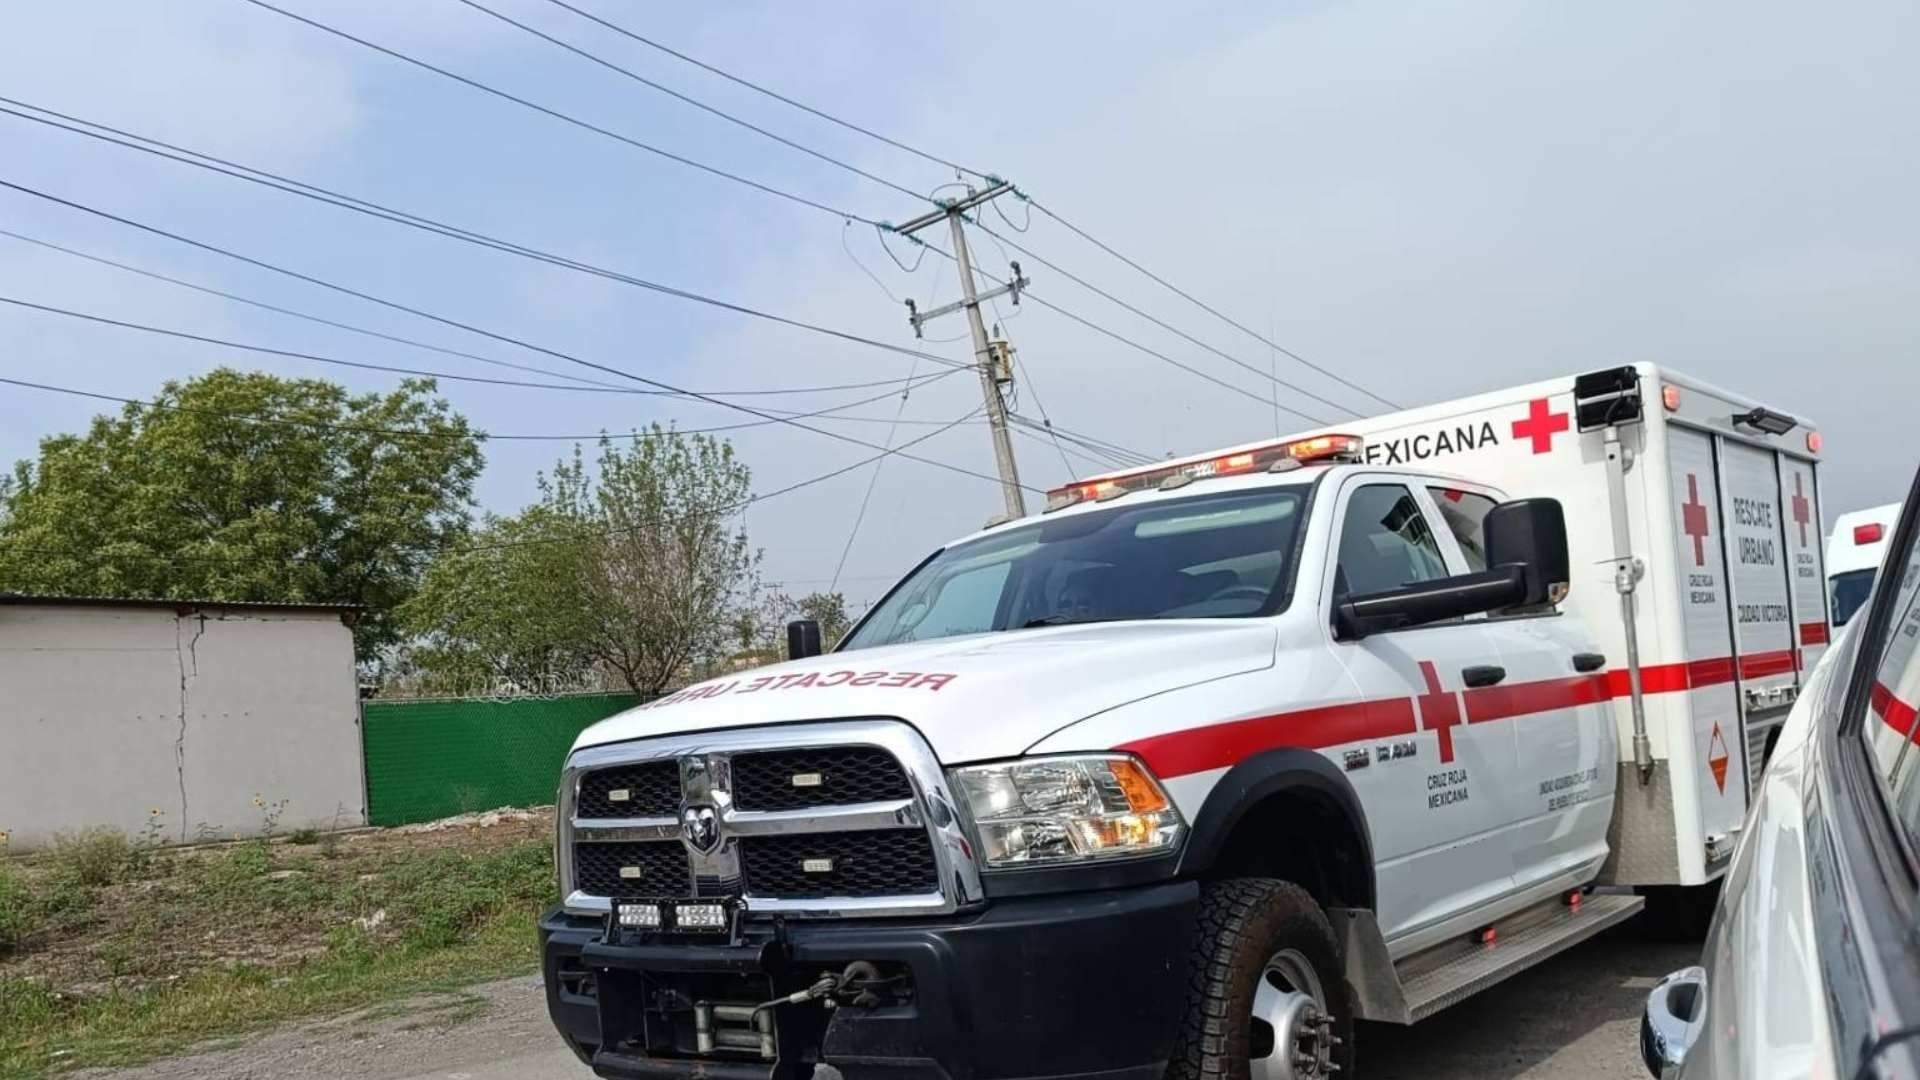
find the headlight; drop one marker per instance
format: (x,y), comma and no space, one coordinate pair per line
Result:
(1068,809)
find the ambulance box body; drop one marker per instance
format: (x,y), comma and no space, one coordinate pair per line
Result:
(1718,500)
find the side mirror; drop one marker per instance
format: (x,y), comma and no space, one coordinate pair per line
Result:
(1674,1016)
(1527,568)
(1530,534)
(803,639)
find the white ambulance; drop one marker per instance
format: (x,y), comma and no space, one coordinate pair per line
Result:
(1854,551)
(1187,773)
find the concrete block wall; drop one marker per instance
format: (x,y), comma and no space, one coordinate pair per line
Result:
(109,713)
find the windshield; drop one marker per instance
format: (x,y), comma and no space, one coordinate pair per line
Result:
(1850,590)
(1206,557)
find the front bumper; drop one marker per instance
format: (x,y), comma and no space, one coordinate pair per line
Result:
(1064,986)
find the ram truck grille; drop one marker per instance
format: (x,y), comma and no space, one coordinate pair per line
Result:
(833,776)
(643,789)
(799,828)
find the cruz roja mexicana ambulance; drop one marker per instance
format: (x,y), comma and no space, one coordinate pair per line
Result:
(1206,761)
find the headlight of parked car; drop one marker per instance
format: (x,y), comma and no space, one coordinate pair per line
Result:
(1050,810)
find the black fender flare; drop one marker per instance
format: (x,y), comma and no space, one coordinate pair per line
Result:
(1259,777)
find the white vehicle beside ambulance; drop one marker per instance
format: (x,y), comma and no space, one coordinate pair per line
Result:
(1187,773)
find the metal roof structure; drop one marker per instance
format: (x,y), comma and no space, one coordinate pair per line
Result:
(181,606)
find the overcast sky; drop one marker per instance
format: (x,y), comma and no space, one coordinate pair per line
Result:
(1430,198)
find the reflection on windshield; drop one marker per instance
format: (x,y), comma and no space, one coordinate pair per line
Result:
(1204,557)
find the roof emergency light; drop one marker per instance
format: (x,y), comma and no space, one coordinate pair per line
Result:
(1271,456)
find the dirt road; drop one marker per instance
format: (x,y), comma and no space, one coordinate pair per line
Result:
(1575,1017)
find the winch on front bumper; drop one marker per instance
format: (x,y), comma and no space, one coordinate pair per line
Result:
(1074,985)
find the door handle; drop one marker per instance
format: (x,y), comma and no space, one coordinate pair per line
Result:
(1588,661)
(1483,674)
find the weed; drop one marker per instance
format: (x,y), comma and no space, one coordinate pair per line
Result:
(19,911)
(235,877)
(270,813)
(90,858)
(304,837)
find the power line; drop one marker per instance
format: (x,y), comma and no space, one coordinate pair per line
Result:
(588,382)
(291,354)
(1204,306)
(1076,454)
(757,88)
(557,114)
(400,217)
(678,96)
(414,433)
(1161,323)
(375,210)
(872,482)
(1083,234)
(469,327)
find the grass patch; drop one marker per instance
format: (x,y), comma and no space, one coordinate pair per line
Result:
(205,945)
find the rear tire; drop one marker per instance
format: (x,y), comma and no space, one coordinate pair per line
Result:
(1264,963)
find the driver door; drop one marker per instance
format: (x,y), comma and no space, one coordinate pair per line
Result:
(1435,802)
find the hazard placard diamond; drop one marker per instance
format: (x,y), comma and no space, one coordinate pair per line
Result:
(1717,759)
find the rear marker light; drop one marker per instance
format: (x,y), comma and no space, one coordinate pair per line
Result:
(1670,397)
(1867,534)
(1813,442)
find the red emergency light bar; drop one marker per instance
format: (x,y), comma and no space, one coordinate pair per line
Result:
(1292,451)
(1867,534)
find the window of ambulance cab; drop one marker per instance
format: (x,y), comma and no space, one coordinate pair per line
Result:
(1465,515)
(1385,542)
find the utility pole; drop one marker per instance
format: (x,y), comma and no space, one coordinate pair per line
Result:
(992,358)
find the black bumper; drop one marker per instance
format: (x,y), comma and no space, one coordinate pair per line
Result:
(1064,986)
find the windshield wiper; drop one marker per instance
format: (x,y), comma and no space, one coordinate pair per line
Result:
(1067,620)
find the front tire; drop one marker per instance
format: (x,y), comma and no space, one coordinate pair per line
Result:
(1267,993)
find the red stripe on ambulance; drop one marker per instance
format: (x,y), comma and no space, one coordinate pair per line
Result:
(1220,746)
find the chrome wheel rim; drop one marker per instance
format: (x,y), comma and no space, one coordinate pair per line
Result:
(1291,1037)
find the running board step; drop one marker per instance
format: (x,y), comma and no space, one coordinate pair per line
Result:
(1426,982)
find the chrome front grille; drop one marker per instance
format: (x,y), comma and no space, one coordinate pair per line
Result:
(827,776)
(877,863)
(834,818)
(642,789)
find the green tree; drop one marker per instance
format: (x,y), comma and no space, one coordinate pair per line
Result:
(339,497)
(486,612)
(830,611)
(630,565)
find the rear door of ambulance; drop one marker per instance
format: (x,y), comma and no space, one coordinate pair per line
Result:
(1754,606)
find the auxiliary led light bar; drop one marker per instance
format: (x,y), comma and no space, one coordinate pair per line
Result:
(689,917)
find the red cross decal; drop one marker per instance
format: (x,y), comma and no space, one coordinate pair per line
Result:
(1439,709)
(1541,425)
(1693,520)
(1800,509)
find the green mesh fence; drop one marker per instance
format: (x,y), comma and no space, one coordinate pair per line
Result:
(434,759)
